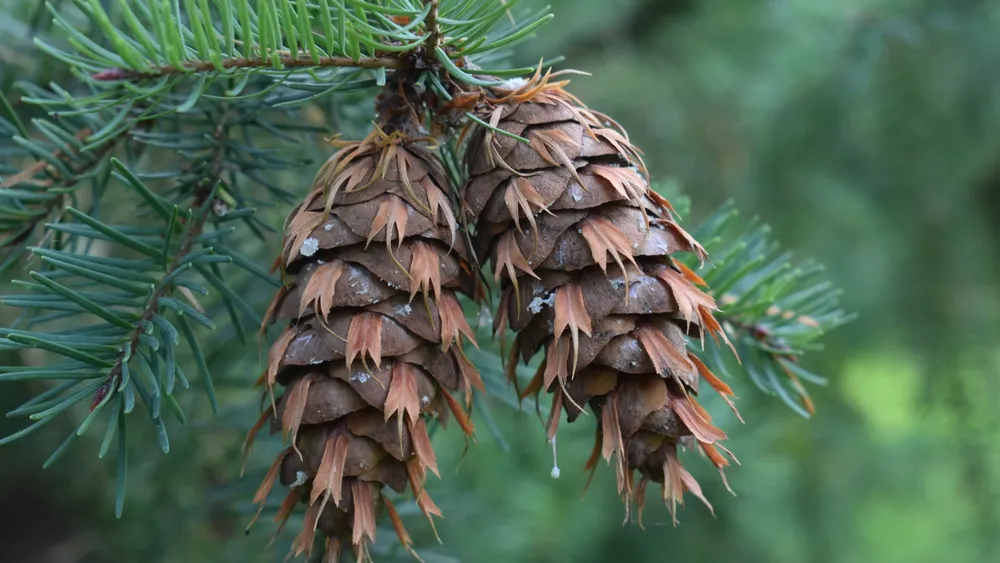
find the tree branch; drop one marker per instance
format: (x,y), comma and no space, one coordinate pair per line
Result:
(775,347)
(202,191)
(41,165)
(772,311)
(299,60)
(434,39)
(56,180)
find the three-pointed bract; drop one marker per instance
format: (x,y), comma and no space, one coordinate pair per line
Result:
(364,366)
(582,248)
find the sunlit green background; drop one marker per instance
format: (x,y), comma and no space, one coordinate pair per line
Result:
(868,135)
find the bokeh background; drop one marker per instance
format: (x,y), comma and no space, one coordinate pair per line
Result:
(867,133)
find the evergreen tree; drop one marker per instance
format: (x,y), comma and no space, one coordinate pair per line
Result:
(146,172)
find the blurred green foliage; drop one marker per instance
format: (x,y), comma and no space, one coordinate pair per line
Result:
(868,134)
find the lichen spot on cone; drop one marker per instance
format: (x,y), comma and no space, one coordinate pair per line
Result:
(583,250)
(374,345)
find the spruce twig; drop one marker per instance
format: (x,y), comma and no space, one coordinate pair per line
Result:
(434,39)
(42,165)
(201,194)
(55,206)
(299,60)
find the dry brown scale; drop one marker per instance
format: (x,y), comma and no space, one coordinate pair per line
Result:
(582,249)
(374,343)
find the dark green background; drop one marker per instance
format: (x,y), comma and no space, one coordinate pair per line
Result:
(868,135)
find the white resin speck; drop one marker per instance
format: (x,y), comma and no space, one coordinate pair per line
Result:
(555,460)
(515,83)
(538,303)
(309,246)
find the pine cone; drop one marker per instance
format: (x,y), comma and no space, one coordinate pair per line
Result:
(548,216)
(363,364)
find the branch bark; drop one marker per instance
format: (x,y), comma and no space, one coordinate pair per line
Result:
(434,39)
(288,60)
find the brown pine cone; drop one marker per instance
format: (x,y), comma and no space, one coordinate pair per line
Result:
(364,364)
(582,249)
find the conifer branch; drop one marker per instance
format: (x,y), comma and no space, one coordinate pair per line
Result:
(202,192)
(434,30)
(161,46)
(132,350)
(77,170)
(299,61)
(773,309)
(42,165)
(753,326)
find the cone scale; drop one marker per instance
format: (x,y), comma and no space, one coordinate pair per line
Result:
(582,249)
(373,346)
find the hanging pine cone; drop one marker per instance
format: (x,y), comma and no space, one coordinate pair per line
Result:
(364,364)
(550,215)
